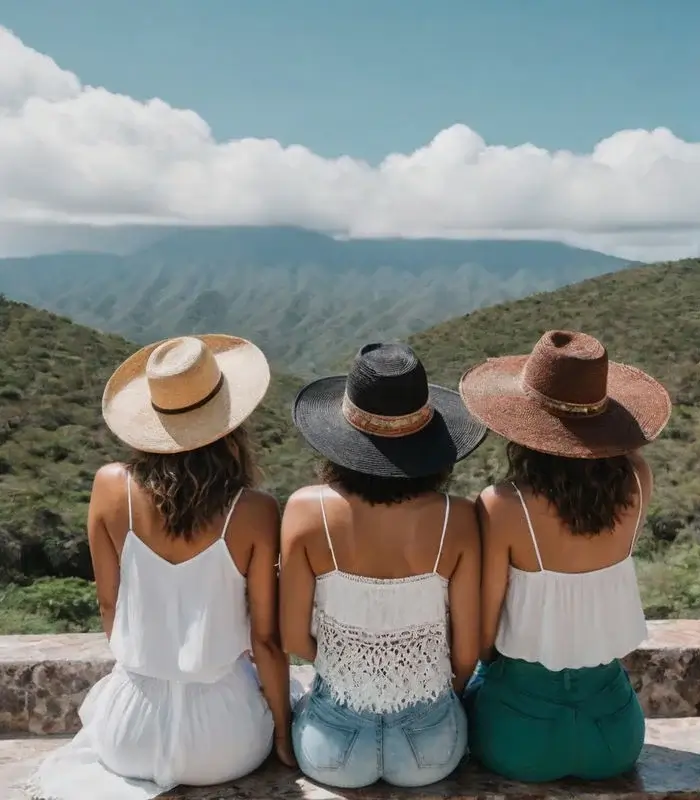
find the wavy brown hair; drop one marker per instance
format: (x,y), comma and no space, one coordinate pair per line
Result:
(191,489)
(588,494)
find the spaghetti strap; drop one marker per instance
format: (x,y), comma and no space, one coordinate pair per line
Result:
(328,533)
(128,500)
(444,531)
(635,535)
(529,525)
(230,512)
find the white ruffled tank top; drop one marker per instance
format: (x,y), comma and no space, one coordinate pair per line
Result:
(568,620)
(382,644)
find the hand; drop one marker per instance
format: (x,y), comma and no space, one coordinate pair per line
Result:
(284,750)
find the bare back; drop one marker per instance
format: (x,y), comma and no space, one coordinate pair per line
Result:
(559,549)
(385,542)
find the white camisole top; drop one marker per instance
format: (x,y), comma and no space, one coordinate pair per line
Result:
(568,620)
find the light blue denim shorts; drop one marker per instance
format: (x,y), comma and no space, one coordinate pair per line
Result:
(349,749)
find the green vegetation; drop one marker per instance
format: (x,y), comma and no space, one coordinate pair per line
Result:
(49,605)
(52,438)
(649,317)
(305,298)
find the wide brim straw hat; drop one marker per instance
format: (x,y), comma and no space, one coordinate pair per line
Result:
(567,399)
(180,394)
(383,418)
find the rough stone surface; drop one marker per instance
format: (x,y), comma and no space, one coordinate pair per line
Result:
(669,768)
(665,670)
(43,679)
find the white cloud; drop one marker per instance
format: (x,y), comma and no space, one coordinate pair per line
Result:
(71,153)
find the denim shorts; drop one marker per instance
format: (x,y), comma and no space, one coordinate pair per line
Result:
(349,749)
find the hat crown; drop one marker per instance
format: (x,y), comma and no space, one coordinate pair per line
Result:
(387,379)
(181,373)
(567,367)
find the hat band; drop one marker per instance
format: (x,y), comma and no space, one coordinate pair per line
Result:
(381,425)
(194,406)
(574,409)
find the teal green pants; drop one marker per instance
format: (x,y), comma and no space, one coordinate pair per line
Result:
(530,724)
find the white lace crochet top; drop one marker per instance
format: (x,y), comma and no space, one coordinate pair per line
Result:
(568,620)
(382,644)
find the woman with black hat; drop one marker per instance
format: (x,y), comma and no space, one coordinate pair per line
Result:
(380,575)
(560,602)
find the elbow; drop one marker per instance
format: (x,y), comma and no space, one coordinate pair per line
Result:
(303,647)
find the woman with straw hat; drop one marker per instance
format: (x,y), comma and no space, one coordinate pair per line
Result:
(184,552)
(560,602)
(380,575)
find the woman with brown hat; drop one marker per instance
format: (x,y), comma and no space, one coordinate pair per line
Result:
(184,553)
(560,602)
(380,575)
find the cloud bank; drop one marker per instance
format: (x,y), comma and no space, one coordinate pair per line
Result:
(77,154)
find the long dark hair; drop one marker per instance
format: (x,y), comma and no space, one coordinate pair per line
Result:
(193,488)
(588,494)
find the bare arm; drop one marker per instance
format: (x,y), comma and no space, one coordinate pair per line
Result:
(272,664)
(105,561)
(297,582)
(464,600)
(495,558)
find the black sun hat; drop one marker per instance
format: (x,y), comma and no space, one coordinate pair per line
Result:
(384,418)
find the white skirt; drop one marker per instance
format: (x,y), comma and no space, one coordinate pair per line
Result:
(143,736)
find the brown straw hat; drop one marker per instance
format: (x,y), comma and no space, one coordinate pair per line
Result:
(181,394)
(567,399)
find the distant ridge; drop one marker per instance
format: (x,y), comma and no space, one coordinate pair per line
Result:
(305,297)
(52,437)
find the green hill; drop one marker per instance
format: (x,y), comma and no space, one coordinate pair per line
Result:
(650,317)
(304,297)
(52,438)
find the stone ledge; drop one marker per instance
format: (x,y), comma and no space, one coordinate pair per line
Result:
(669,768)
(43,679)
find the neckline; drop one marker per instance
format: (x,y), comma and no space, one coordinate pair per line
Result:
(131,535)
(609,568)
(381,581)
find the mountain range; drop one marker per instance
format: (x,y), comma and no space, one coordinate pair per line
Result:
(52,438)
(306,298)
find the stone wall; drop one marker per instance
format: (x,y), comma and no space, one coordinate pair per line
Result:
(43,679)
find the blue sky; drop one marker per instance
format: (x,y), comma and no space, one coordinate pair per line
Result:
(369,77)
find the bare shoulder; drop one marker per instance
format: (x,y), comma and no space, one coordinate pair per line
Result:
(261,502)
(109,485)
(306,496)
(498,498)
(260,512)
(496,506)
(302,514)
(643,470)
(463,513)
(108,474)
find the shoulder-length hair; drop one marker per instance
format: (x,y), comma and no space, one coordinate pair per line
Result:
(193,488)
(588,494)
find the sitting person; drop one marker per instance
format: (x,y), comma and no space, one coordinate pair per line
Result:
(184,555)
(560,602)
(380,576)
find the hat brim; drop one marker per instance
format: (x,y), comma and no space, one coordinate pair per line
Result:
(638,409)
(450,436)
(127,409)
